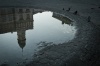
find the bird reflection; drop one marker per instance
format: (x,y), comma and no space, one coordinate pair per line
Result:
(16,20)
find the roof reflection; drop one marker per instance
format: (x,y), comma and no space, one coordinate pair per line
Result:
(62,18)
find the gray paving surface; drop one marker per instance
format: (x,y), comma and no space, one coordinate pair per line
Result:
(84,50)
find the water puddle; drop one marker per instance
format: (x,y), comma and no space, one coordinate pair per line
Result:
(23,31)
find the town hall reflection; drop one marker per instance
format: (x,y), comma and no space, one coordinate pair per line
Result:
(21,19)
(16,20)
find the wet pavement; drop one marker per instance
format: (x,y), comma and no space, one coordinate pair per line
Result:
(25,31)
(83,50)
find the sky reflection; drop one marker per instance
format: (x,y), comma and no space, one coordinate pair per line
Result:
(22,29)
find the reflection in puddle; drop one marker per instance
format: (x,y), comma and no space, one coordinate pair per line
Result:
(27,28)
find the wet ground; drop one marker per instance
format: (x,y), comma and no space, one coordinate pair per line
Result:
(82,50)
(25,31)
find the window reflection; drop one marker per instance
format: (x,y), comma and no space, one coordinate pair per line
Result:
(27,10)
(21,17)
(3,18)
(10,17)
(28,16)
(10,11)
(19,20)
(20,10)
(2,11)
(15,20)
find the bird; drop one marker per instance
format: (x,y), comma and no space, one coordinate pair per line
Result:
(89,18)
(92,8)
(63,9)
(75,12)
(68,9)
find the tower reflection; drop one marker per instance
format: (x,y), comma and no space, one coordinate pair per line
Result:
(16,20)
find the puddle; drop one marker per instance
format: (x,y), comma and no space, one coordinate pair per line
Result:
(23,31)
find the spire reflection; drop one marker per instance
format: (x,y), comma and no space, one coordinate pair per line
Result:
(16,20)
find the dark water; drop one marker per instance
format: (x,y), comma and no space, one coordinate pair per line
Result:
(24,31)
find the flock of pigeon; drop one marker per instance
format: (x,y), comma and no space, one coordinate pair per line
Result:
(76,12)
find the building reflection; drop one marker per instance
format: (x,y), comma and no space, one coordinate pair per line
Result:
(62,18)
(16,20)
